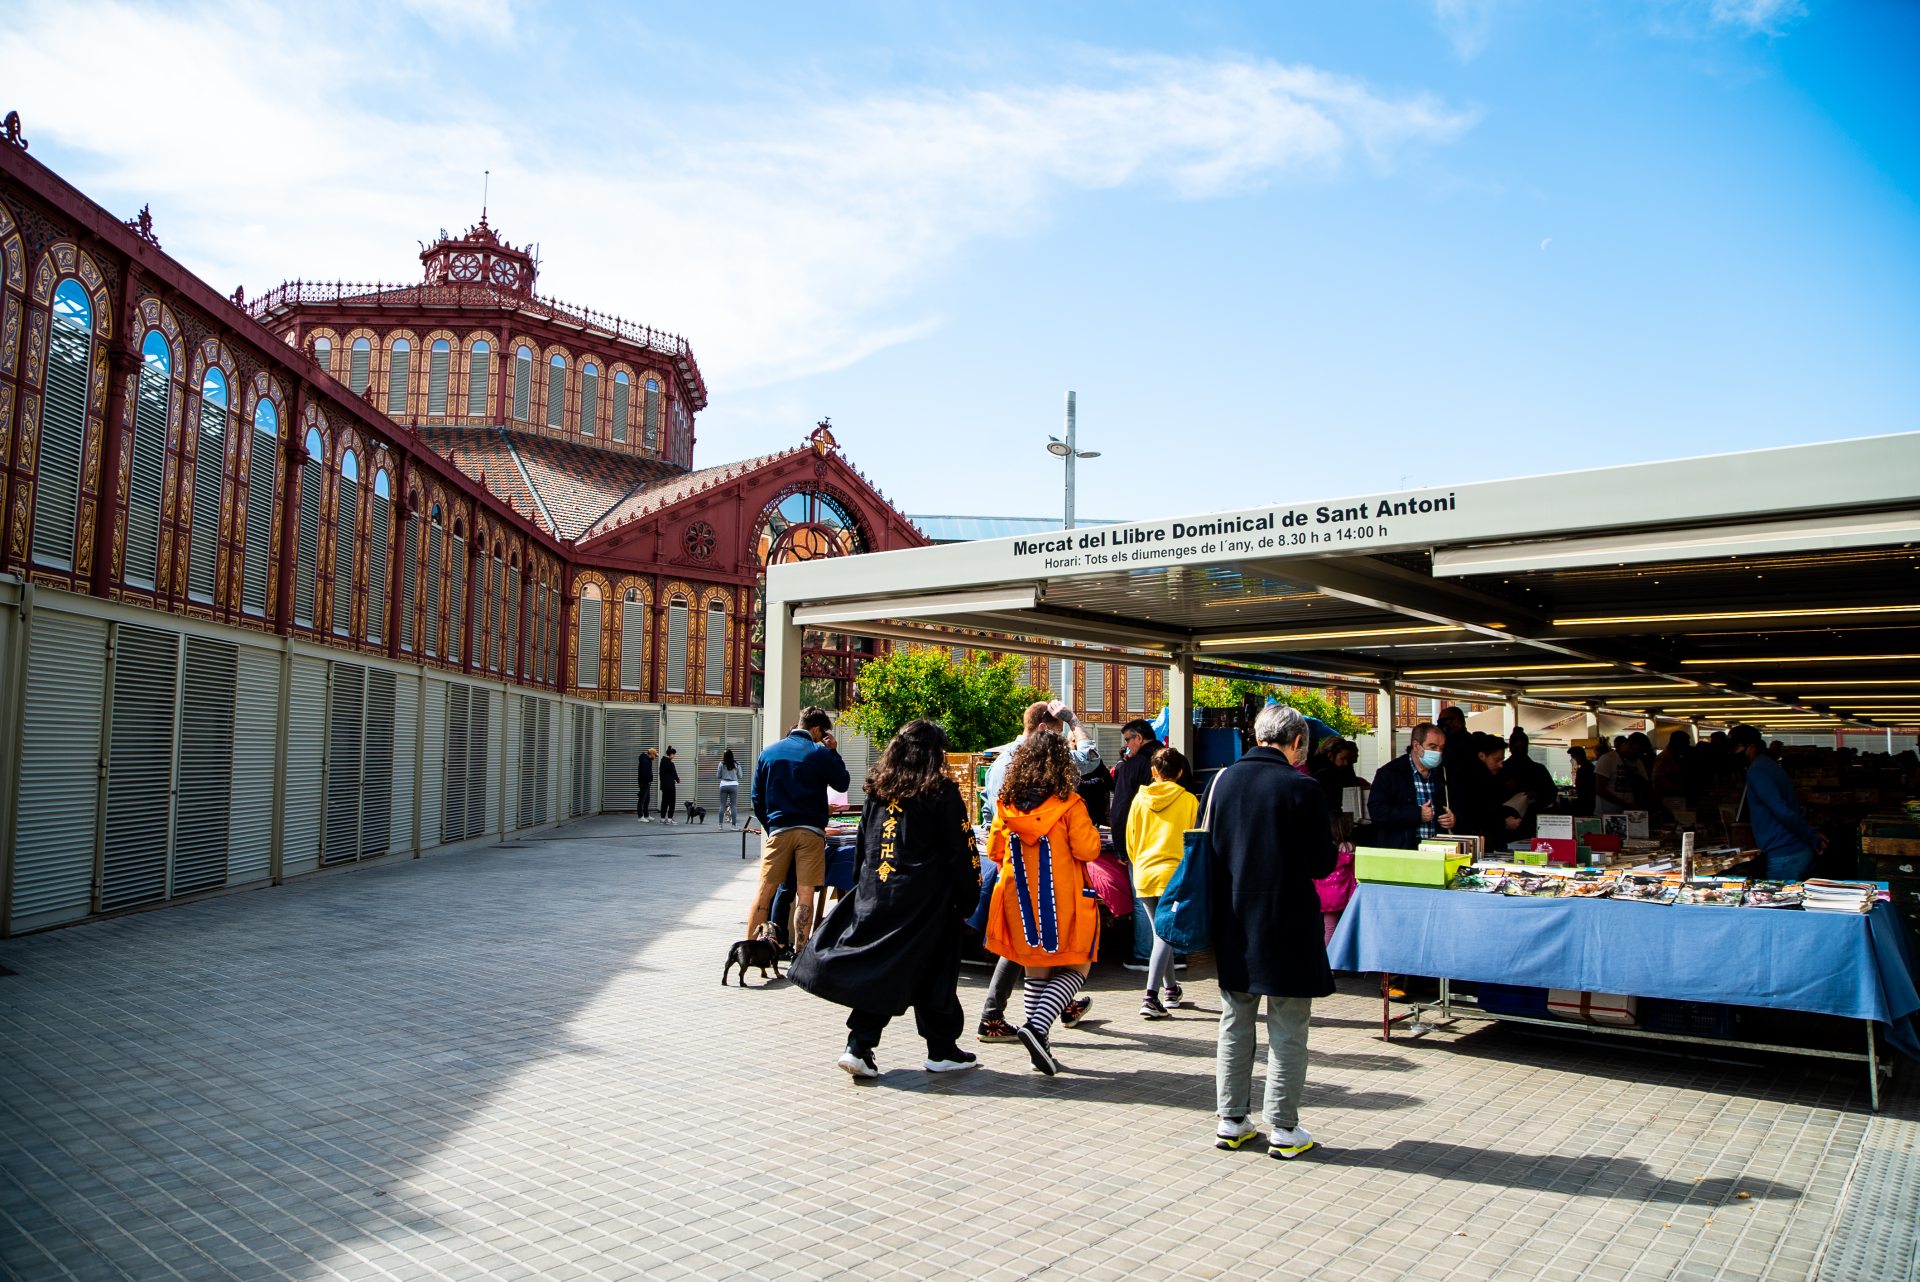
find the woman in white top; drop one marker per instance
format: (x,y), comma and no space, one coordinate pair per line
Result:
(729,789)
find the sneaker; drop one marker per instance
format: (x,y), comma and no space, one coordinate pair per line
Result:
(1075,1009)
(1152,1009)
(1037,1049)
(1288,1144)
(858,1065)
(995,1030)
(646,819)
(1135,966)
(951,1061)
(1233,1132)
(1174,995)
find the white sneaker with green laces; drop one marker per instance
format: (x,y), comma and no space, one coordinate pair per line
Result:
(1234,1132)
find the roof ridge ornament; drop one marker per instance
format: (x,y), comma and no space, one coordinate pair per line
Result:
(12,126)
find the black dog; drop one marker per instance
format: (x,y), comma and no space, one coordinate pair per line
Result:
(762,953)
(696,814)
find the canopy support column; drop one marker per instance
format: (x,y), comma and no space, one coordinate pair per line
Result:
(1180,703)
(781,710)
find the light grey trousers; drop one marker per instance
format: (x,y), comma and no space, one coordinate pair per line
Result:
(1286,1055)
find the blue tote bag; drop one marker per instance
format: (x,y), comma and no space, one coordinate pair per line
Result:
(1182,917)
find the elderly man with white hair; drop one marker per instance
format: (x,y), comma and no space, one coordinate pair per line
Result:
(1270,839)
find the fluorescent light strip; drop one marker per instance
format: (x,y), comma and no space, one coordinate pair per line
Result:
(1737,614)
(1487,672)
(1864,681)
(1799,658)
(1329,636)
(1671,687)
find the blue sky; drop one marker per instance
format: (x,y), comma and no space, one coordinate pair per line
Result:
(1279,250)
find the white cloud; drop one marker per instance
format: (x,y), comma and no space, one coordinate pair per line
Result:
(1768,17)
(782,240)
(488,19)
(1467,24)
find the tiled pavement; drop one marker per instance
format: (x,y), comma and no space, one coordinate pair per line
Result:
(514,1062)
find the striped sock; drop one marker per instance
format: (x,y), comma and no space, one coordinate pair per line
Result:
(1054,993)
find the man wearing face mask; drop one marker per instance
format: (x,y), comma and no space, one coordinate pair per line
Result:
(1787,841)
(1408,800)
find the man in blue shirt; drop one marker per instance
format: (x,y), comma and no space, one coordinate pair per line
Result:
(1787,841)
(790,784)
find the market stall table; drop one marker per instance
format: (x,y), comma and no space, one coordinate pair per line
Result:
(1855,965)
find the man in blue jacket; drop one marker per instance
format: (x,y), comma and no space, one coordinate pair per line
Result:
(1787,841)
(790,784)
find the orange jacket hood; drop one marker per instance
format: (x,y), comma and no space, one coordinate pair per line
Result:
(1031,825)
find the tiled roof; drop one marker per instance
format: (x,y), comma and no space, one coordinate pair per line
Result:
(483,455)
(655,497)
(574,484)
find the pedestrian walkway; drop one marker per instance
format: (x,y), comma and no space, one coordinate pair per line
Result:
(518,1062)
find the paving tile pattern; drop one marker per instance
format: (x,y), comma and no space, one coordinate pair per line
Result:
(515,1062)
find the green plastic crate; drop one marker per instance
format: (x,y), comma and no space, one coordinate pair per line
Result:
(1407,867)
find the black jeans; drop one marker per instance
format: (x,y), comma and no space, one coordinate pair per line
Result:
(936,1009)
(667,791)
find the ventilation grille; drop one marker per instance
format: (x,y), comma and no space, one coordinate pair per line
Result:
(346,732)
(263,479)
(306,760)
(589,404)
(397,375)
(620,394)
(63,427)
(522,387)
(377,585)
(1095,698)
(556,395)
(437,380)
(433,576)
(343,556)
(376,770)
(203,546)
(306,570)
(677,647)
(477,382)
(256,704)
(633,631)
(588,676)
(146,479)
(716,649)
(201,828)
(409,572)
(1136,689)
(457,598)
(357,367)
(630,732)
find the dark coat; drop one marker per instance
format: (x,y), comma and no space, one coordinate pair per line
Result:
(1395,811)
(669,773)
(1270,840)
(1130,776)
(916,886)
(646,772)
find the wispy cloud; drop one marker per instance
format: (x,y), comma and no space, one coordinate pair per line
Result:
(1766,17)
(783,241)
(1467,24)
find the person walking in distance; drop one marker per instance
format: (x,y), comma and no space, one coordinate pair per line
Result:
(1269,839)
(646,786)
(729,776)
(669,786)
(790,783)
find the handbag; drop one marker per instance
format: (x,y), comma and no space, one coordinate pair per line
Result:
(1184,916)
(1112,882)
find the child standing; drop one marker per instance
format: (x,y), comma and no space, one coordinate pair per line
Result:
(1157,825)
(1337,887)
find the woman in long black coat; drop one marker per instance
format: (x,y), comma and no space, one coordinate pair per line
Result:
(895,942)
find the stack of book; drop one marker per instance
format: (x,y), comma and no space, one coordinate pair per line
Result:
(1824,896)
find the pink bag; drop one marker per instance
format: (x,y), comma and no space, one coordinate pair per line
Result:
(1336,888)
(1111,881)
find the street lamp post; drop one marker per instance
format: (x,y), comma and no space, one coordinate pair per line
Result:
(1068,451)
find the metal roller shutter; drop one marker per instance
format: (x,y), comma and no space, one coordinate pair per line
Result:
(480,766)
(306,765)
(133,867)
(433,761)
(629,732)
(346,735)
(406,712)
(682,733)
(201,814)
(578,760)
(513,734)
(547,747)
(376,766)
(256,726)
(453,813)
(526,761)
(857,751)
(718,731)
(59,770)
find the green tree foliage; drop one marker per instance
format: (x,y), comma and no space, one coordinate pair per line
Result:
(978,702)
(1221,692)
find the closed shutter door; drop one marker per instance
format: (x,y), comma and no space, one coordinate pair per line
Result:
(453,812)
(1095,699)
(201,824)
(140,767)
(682,732)
(306,568)
(857,751)
(629,732)
(548,747)
(377,584)
(406,710)
(344,555)
(577,764)
(677,648)
(480,765)
(477,370)
(587,675)
(63,427)
(437,379)
(409,573)
(256,726)
(435,701)
(306,764)
(59,770)
(718,731)
(432,642)
(376,766)
(512,713)
(633,632)
(1136,690)
(620,393)
(398,372)
(346,737)
(716,666)
(521,745)
(209,462)
(263,476)
(357,367)
(146,477)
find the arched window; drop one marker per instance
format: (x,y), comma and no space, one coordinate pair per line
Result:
(622,392)
(436,540)
(457,598)
(263,476)
(556,391)
(147,477)
(63,426)
(589,399)
(677,646)
(650,415)
(344,545)
(477,568)
(495,579)
(439,359)
(716,674)
(399,370)
(536,628)
(209,474)
(680,448)
(323,353)
(409,573)
(1095,698)
(381,523)
(554,611)
(633,639)
(358,362)
(477,370)
(306,571)
(513,618)
(587,675)
(523,384)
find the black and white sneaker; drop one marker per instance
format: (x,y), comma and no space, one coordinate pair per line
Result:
(1152,1009)
(952,1061)
(858,1064)
(1037,1049)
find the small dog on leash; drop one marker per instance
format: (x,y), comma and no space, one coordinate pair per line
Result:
(696,814)
(762,951)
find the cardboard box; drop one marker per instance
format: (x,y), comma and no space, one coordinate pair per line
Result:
(1593,1008)
(1407,867)
(1531,858)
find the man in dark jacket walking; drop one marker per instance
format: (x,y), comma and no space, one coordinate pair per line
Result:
(790,784)
(669,786)
(646,786)
(1270,839)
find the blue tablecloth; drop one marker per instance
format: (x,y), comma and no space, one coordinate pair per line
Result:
(1857,965)
(843,863)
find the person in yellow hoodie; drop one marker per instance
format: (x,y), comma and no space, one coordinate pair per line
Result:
(1042,916)
(1157,826)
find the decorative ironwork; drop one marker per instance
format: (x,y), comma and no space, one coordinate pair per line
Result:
(699,540)
(12,125)
(141,225)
